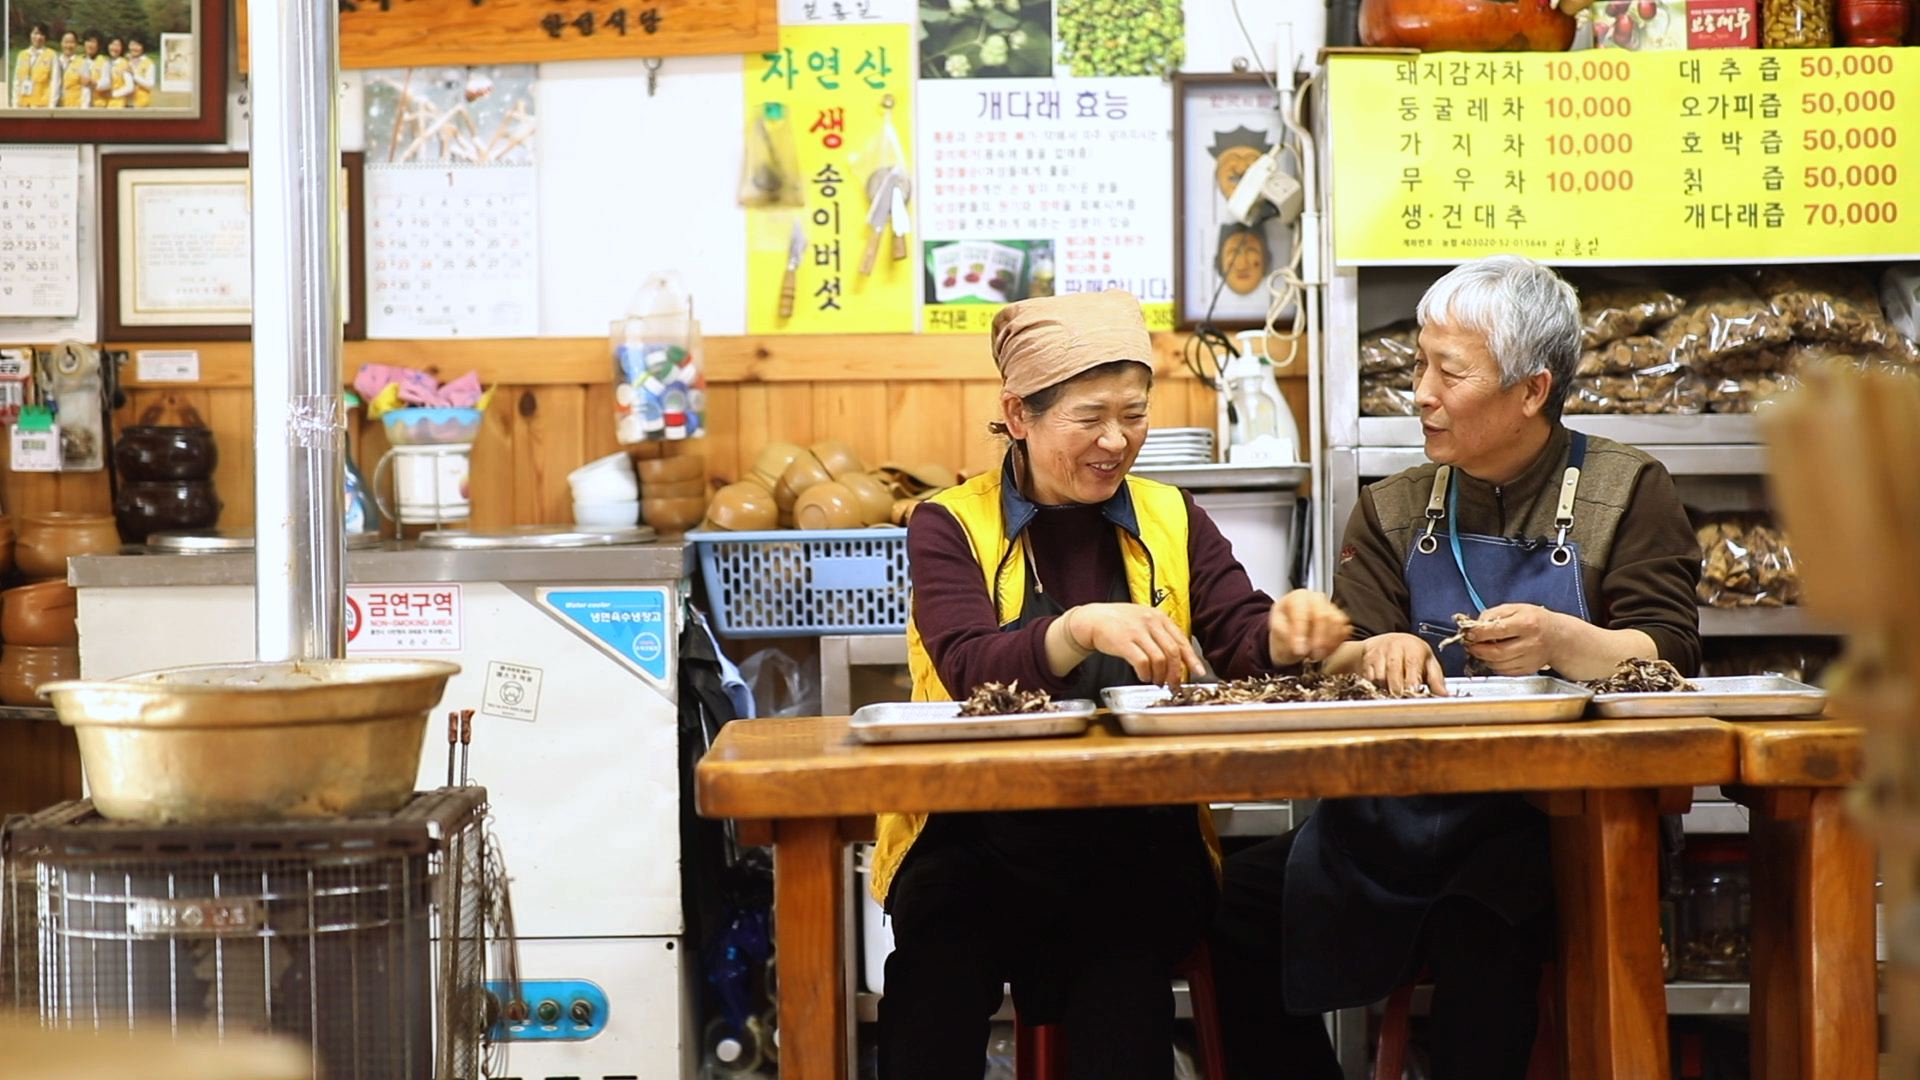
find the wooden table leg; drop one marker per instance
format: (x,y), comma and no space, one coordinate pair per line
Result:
(809,890)
(1815,1009)
(1606,878)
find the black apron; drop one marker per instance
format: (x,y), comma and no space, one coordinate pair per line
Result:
(1364,872)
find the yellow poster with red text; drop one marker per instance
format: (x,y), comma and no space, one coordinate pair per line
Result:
(844,95)
(1619,157)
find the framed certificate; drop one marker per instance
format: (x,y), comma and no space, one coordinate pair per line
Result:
(178,250)
(105,73)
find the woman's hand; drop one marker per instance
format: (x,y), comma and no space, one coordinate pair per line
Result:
(1304,625)
(1142,636)
(1517,639)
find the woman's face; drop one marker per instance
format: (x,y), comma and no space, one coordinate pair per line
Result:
(1079,451)
(113,47)
(68,43)
(1467,417)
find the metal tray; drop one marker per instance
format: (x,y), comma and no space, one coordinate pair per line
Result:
(1726,697)
(1531,699)
(939,721)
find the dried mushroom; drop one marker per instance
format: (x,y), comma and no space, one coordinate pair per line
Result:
(1639,352)
(1745,564)
(1006,699)
(1643,677)
(1391,348)
(1611,312)
(1378,400)
(1285,689)
(1826,303)
(1668,388)
(1462,624)
(1724,318)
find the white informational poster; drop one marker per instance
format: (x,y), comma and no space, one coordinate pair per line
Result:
(39,232)
(452,251)
(189,253)
(1033,187)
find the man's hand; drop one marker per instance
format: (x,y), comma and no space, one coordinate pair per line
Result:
(1517,639)
(1401,662)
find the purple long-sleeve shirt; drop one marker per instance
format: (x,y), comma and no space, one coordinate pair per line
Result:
(1077,558)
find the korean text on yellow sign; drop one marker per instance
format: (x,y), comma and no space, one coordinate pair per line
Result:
(1616,157)
(832,82)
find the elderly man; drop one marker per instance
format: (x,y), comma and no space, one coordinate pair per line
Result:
(1573,553)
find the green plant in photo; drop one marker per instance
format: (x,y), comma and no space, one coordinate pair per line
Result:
(971,39)
(1122,37)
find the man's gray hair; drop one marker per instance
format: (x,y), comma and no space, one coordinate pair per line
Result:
(1528,314)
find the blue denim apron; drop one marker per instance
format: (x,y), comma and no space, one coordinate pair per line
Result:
(1363,872)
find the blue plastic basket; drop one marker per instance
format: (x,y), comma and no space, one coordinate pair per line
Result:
(790,583)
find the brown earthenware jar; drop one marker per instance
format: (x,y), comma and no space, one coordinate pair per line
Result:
(48,540)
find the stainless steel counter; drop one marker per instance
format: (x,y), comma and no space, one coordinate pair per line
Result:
(665,560)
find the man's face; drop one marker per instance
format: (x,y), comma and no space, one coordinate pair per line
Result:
(1467,417)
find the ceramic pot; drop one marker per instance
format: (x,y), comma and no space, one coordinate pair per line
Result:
(24,667)
(165,506)
(48,540)
(40,614)
(165,453)
(1466,25)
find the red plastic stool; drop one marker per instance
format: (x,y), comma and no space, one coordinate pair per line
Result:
(1390,1053)
(1040,1050)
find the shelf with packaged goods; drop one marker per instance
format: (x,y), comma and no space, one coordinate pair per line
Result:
(1763,622)
(1685,459)
(1709,429)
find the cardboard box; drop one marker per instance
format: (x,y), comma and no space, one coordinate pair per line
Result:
(1655,25)
(1640,25)
(1722,24)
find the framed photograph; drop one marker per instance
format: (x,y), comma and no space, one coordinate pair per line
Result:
(177,247)
(1221,125)
(81,71)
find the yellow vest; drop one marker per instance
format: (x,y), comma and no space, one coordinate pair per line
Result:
(33,76)
(1161,512)
(122,76)
(73,82)
(100,70)
(142,71)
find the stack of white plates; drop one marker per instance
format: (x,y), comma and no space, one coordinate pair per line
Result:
(1177,446)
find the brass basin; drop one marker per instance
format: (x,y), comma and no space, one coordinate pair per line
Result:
(253,741)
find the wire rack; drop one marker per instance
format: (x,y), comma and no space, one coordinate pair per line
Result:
(364,937)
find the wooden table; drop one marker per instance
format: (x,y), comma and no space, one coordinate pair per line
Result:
(1605,783)
(1815,1002)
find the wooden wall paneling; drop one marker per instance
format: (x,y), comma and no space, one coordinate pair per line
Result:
(229,416)
(754,428)
(598,421)
(39,765)
(727,460)
(370,444)
(492,476)
(852,412)
(790,414)
(980,449)
(923,423)
(548,443)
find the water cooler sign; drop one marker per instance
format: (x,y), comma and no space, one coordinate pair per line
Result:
(632,624)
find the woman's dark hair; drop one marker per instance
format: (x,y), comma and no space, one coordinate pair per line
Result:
(1042,400)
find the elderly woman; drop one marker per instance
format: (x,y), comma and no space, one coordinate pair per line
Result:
(1061,572)
(1574,554)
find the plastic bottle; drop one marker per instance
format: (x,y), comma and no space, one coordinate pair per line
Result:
(1260,427)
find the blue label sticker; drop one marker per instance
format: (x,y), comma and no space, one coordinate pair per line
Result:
(632,623)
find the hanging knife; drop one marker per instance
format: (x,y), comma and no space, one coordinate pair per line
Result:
(880,191)
(792,280)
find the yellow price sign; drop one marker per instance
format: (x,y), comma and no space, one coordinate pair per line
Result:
(1616,157)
